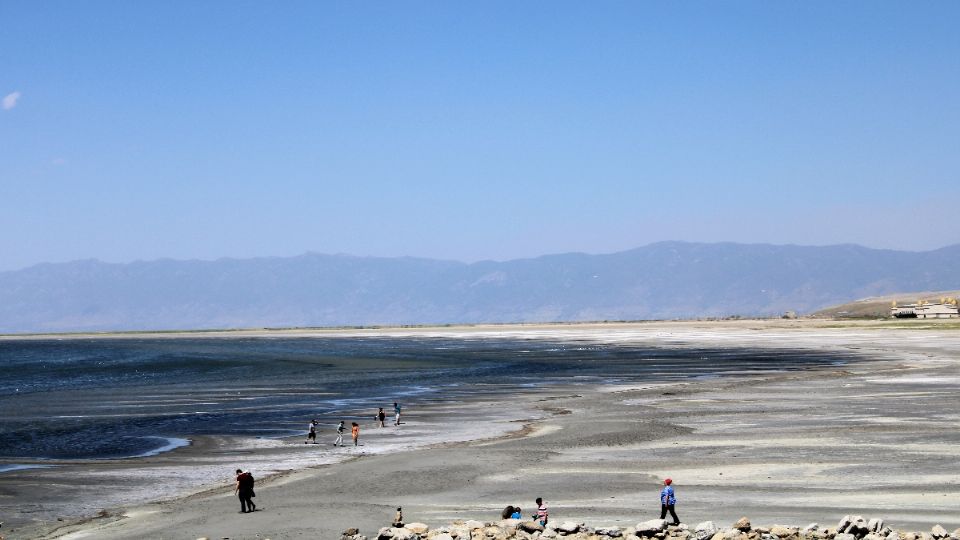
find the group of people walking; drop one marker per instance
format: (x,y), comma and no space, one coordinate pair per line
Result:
(354,432)
(341,427)
(379,418)
(244,480)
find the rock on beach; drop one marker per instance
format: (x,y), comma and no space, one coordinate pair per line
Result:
(849,528)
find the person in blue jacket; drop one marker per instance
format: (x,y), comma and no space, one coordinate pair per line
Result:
(667,500)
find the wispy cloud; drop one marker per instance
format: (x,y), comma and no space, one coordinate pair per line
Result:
(10,100)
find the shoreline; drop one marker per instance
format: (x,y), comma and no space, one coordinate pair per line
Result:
(549,441)
(205,465)
(432,329)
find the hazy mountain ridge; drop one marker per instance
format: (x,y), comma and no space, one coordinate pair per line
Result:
(663,280)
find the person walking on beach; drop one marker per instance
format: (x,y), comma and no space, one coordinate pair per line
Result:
(542,515)
(381,416)
(396,414)
(312,432)
(667,500)
(355,432)
(244,489)
(340,429)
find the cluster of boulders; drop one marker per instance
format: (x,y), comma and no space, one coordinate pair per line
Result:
(849,528)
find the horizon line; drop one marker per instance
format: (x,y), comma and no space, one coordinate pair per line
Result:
(465,262)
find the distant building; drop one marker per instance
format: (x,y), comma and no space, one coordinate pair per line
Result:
(945,309)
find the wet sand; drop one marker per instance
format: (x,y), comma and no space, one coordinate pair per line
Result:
(877,437)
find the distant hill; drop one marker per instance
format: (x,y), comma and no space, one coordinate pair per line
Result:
(879,306)
(660,281)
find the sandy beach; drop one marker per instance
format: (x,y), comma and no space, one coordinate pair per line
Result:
(876,435)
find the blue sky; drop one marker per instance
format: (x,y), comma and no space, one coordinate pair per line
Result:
(141,130)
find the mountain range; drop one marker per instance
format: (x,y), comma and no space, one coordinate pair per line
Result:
(665,280)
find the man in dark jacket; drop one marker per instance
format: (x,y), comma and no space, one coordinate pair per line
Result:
(245,490)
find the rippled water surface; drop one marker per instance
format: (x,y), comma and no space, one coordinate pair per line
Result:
(110,398)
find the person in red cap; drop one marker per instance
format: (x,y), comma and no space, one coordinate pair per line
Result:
(667,500)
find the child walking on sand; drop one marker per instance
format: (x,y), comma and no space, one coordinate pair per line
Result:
(355,432)
(542,515)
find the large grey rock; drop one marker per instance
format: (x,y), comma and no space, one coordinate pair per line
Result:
(568,527)
(857,527)
(704,530)
(651,527)
(612,532)
(845,522)
(530,526)
(509,524)
(782,531)
(742,524)
(419,528)
(875,524)
(491,533)
(939,532)
(460,531)
(403,533)
(706,526)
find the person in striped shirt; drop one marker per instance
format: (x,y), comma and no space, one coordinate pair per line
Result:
(542,513)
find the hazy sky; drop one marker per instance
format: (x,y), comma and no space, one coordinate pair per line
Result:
(139,130)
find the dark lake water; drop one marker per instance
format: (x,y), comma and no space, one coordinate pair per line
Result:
(112,398)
